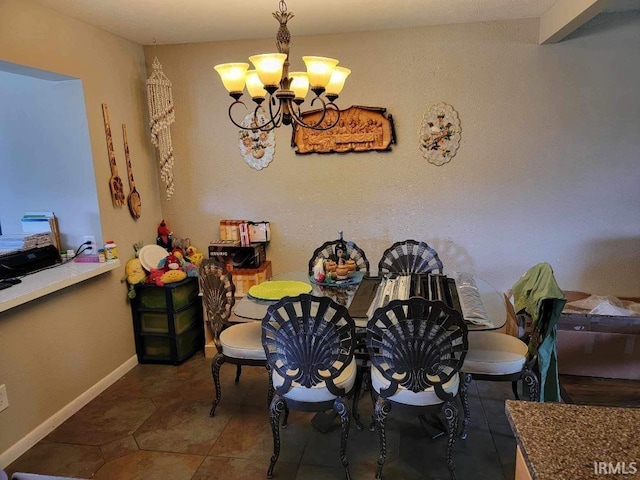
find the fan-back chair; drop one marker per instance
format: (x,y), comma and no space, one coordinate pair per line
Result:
(417,347)
(237,343)
(309,343)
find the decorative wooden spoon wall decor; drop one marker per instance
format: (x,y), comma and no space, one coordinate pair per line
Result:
(115,182)
(133,200)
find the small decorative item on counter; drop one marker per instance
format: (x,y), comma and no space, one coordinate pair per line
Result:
(101,256)
(110,250)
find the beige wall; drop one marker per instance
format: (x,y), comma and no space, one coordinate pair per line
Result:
(54,349)
(547,168)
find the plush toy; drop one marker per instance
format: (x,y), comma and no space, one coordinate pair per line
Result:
(134,274)
(170,262)
(194,256)
(181,244)
(173,276)
(191,269)
(171,268)
(165,236)
(155,276)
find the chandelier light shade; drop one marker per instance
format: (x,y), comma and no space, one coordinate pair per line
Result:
(233,76)
(284,92)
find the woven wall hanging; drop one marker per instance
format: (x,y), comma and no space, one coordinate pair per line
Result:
(161,116)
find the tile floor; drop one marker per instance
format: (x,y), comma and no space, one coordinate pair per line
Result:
(154,424)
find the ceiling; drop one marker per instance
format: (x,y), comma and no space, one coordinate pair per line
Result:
(170,21)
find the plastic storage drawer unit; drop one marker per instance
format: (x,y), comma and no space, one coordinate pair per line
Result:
(167,322)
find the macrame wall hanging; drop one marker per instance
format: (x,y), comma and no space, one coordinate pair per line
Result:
(161,115)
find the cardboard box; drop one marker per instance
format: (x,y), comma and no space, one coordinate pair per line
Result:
(245,278)
(598,345)
(238,257)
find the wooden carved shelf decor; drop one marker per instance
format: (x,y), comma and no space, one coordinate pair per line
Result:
(133,200)
(359,129)
(115,182)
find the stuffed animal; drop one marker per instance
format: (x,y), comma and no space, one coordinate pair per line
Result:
(181,244)
(173,276)
(170,262)
(171,268)
(155,276)
(165,236)
(194,256)
(134,274)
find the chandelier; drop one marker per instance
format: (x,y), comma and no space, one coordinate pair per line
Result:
(284,92)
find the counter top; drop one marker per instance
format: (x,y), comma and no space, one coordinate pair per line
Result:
(39,284)
(562,441)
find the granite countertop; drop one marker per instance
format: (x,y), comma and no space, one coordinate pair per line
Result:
(561,441)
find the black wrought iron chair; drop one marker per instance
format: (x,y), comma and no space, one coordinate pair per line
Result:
(327,251)
(495,356)
(239,343)
(417,347)
(409,256)
(309,343)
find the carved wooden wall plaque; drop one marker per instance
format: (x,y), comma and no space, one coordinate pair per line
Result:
(360,129)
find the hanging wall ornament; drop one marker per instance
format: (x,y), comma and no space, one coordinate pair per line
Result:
(439,134)
(161,115)
(256,146)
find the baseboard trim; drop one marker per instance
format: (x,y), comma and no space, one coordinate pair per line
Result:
(45,428)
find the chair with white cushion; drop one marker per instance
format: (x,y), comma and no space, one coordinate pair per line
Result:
(309,343)
(495,356)
(417,347)
(409,256)
(239,343)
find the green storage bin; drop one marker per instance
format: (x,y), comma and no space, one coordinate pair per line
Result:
(159,348)
(158,322)
(173,296)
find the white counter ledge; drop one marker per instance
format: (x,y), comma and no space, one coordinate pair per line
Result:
(51,280)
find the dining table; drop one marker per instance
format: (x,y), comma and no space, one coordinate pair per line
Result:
(356,294)
(249,308)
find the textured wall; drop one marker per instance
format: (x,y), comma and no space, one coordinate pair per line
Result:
(546,171)
(54,349)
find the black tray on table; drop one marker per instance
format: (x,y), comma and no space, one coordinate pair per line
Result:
(432,287)
(363,297)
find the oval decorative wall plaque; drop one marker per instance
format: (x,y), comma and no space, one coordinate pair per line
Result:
(439,134)
(256,147)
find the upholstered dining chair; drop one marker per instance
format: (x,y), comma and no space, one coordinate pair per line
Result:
(409,256)
(309,343)
(495,356)
(327,251)
(417,347)
(239,343)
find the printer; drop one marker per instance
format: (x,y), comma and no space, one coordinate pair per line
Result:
(22,262)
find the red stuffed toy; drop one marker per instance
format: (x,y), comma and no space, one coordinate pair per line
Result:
(165,236)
